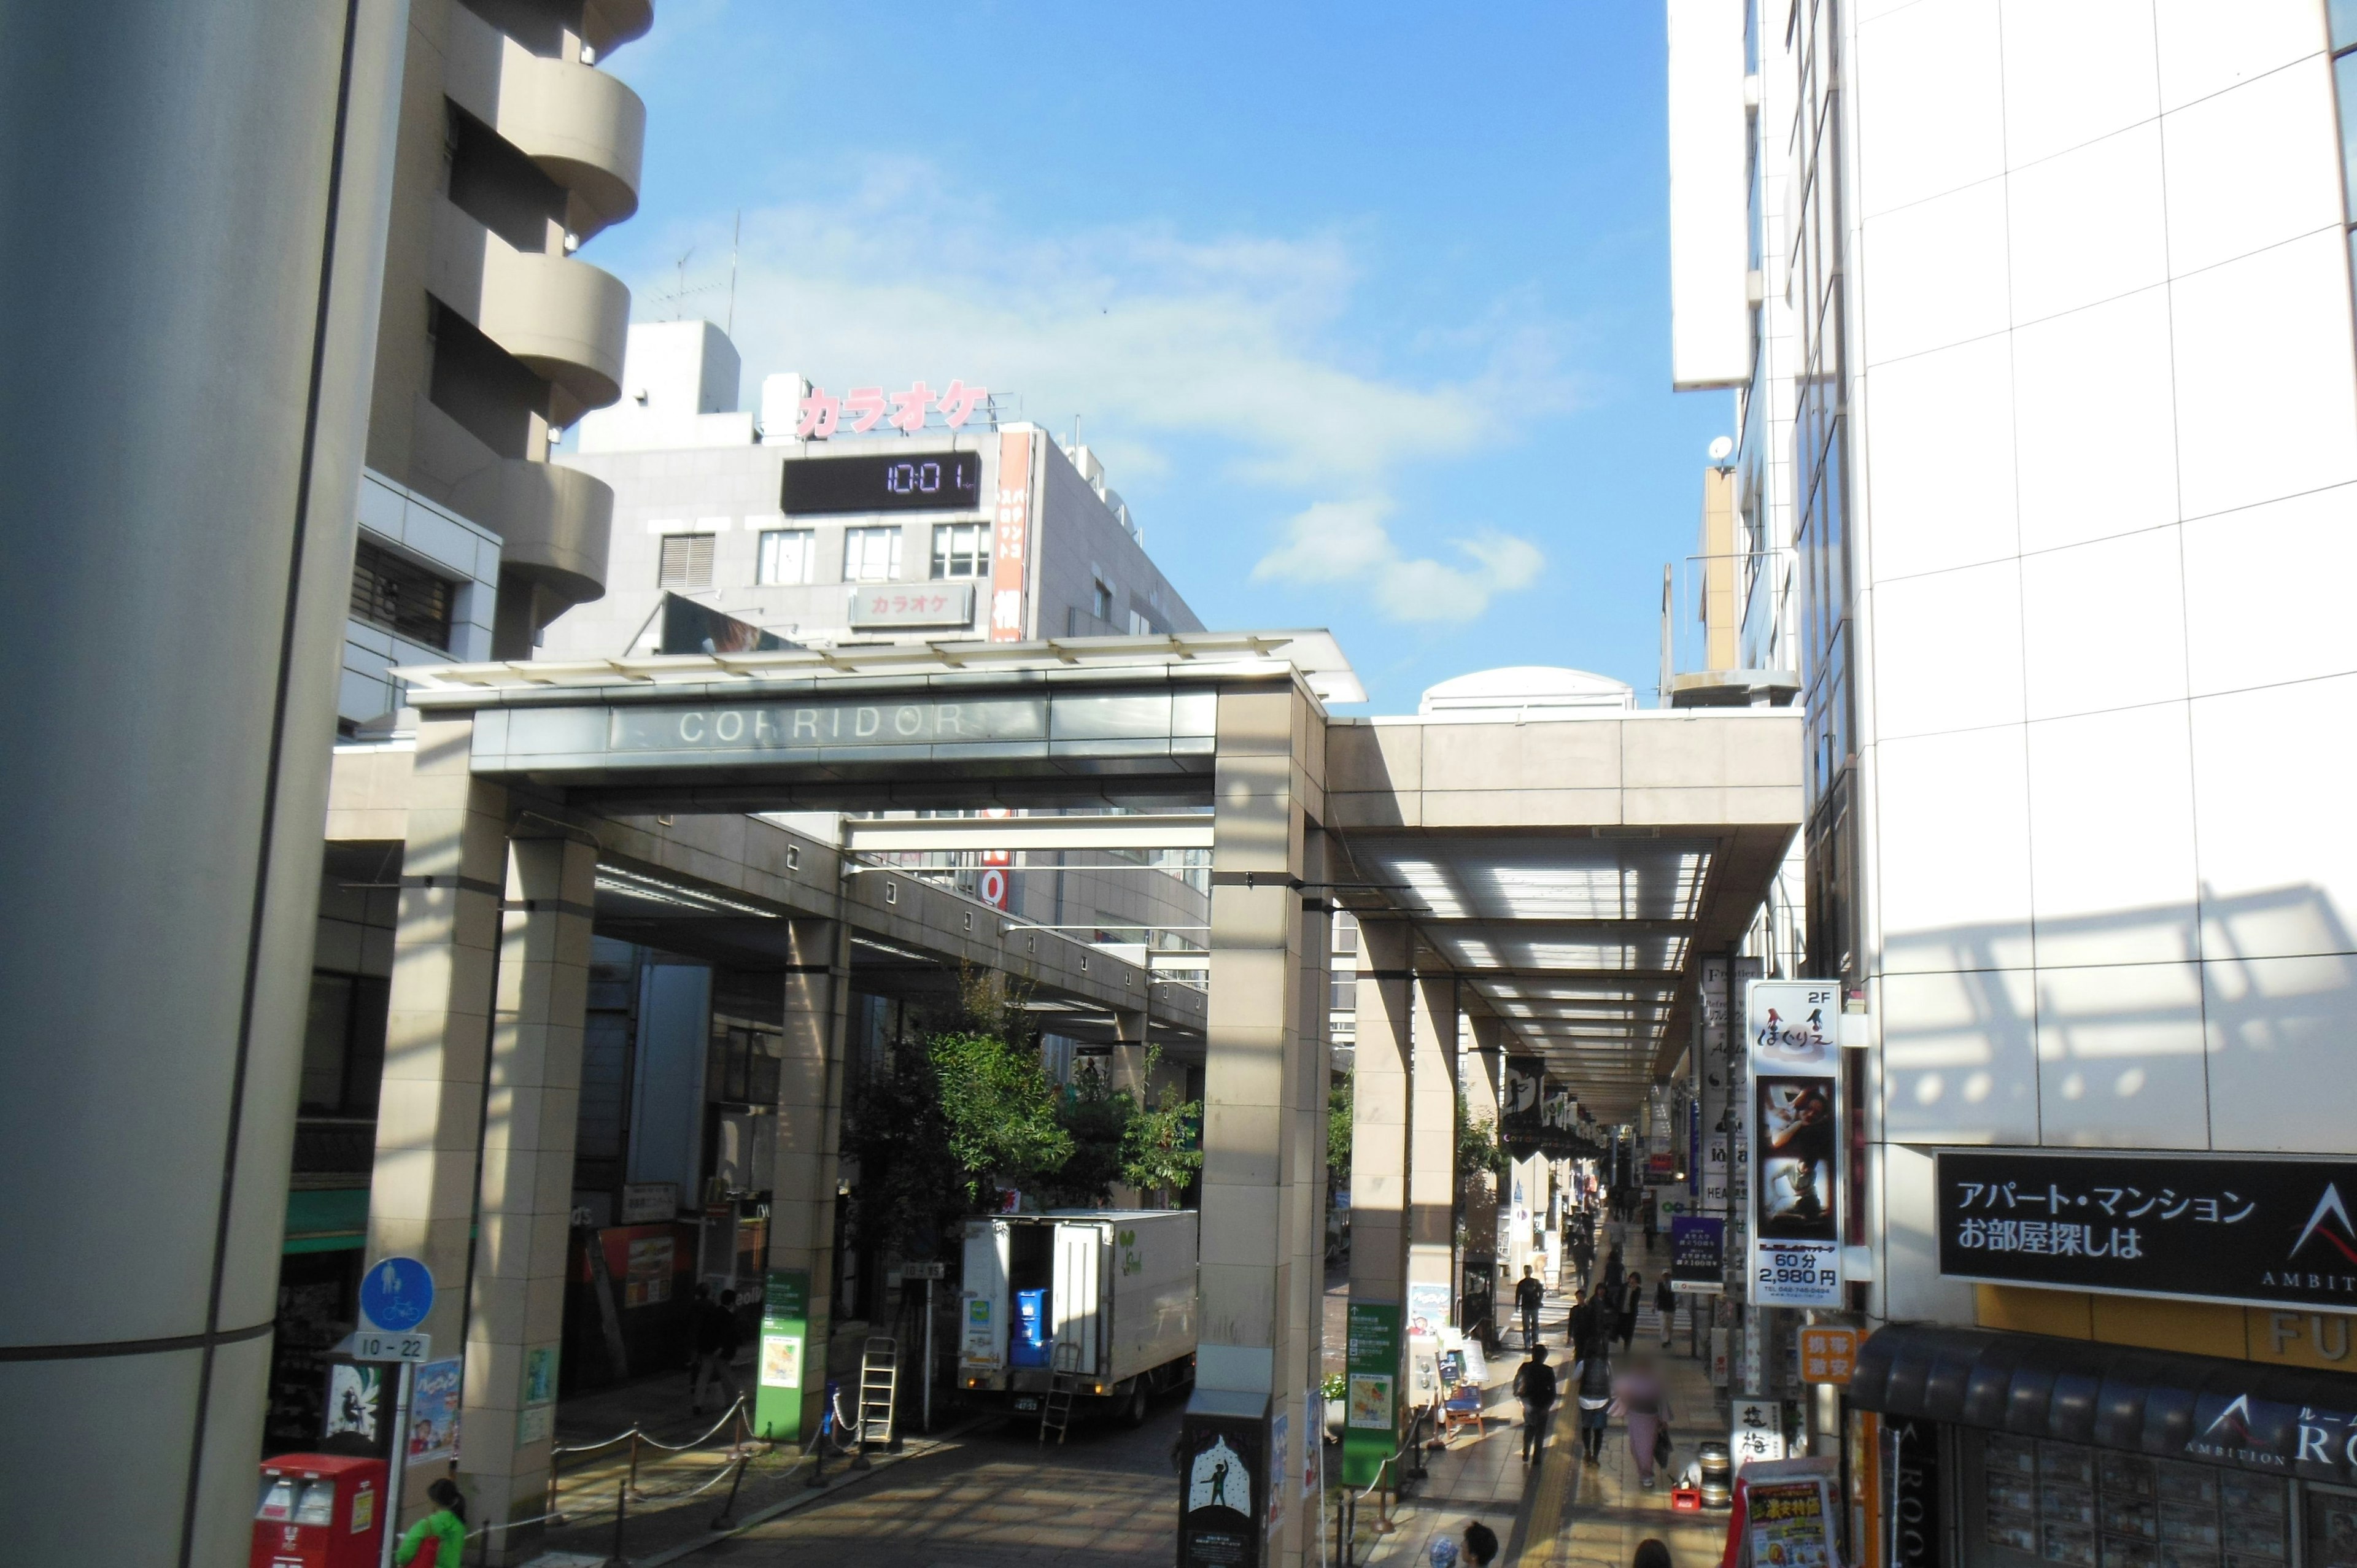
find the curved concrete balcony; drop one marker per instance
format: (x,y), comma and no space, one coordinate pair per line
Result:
(585,130)
(607,25)
(554,524)
(564,319)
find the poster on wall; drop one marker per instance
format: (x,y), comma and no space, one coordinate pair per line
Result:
(1794,1103)
(434,1400)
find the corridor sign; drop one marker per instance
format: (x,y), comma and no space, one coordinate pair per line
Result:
(1794,1104)
(1370,1390)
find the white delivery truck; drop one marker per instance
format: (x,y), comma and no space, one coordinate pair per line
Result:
(1115,1287)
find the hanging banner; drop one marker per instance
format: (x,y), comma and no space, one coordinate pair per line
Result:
(1539,1117)
(1697,1254)
(1010,556)
(1795,1122)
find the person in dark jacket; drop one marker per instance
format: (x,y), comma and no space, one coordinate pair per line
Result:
(717,1338)
(1665,1302)
(1632,1297)
(1535,1386)
(1595,1400)
(1528,1293)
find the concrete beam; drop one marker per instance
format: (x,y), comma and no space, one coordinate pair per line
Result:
(903,836)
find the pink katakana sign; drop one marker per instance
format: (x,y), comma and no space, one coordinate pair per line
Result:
(862,408)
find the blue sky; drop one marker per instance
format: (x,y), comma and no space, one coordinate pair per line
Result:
(1364,309)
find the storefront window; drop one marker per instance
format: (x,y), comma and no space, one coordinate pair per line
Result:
(2041,1501)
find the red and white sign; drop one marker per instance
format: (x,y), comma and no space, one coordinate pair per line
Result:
(1010,566)
(992,884)
(822,413)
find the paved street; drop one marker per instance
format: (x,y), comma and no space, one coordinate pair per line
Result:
(995,1497)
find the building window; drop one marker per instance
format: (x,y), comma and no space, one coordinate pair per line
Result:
(786,555)
(1342,993)
(961,550)
(1139,626)
(687,561)
(1100,602)
(400,597)
(343,1045)
(871,555)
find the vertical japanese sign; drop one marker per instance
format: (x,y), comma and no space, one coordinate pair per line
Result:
(1010,555)
(785,1336)
(1371,1391)
(1791,1027)
(992,884)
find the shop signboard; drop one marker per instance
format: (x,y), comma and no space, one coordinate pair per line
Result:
(1828,1355)
(1788,1522)
(1370,1390)
(1757,1433)
(1539,1116)
(785,1334)
(1698,1254)
(2240,1229)
(536,1396)
(1794,1101)
(1913,1463)
(433,1401)
(1225,1513)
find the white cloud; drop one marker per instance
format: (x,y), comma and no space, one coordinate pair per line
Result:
(1347,542)
(1241,347)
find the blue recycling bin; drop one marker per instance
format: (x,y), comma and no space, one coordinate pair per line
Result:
(1031,1336)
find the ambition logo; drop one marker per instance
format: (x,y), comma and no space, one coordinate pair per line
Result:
(2330,1207)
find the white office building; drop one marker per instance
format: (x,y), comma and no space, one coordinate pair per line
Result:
(2037,320)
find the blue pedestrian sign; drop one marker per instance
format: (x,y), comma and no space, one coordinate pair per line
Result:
(396,1294)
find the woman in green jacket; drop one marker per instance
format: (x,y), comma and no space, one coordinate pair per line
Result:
(445,1527)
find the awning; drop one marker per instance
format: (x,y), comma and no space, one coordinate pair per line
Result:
(2280,1420)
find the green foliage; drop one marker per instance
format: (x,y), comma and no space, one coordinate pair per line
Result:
(1096,1117)
(1338,1100)
(1333,1386)
(1001,1112)
(910,1189)
(1478,1148)
(1161,1148)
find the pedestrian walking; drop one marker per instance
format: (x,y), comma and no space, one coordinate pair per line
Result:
(1528,1294)
(1645,1404)
(439,1539)
(1652,1552)
(1481,1544)
(1613,1275)
(1632,1296)
(717,1338)
(1535,1386)
(1594,1399)
(1665,1302)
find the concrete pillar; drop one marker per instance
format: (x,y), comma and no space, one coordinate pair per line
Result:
(1265,1074)
(515,1328)
(1128,1064)
(1481,1065)
(1379,1116)
(810,1133)
(1432,1141)
(446,954)
(195,209)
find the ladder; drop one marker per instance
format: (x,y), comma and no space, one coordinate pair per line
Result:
(879,1386)
(1063,1382)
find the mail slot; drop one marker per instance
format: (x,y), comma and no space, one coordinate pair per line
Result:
(318,1510)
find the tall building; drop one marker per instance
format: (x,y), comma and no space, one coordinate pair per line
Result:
(2039,322)
(515,150)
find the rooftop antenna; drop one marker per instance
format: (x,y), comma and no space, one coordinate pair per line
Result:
(680,293)
(735,235)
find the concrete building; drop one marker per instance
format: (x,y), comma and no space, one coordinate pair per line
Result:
(514,151)
(929,529)
(2038,320)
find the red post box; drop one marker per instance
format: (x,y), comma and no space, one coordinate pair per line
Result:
(318,1510)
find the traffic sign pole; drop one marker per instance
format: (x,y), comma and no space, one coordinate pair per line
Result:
(400,1456)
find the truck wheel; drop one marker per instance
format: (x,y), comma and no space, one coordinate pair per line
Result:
(1133,1409)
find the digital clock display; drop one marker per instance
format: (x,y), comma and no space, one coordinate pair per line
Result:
(932,481)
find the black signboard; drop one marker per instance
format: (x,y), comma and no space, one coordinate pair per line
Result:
(928,481)
(1539,1116)
(691,627)
(1698,1253)
(1222,1487)
(1915,1493)
(2240,1229)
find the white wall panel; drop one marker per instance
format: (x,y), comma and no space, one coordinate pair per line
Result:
(1959,1057)
(2121,1057)
(1951,850)
(2087,225)
(2095,430)
(2264,376)
(2111,838)
(1710,319)
(1947,651)
(1935,274)
(2253,167)
(2209,46)
(1932,513)
(2102,625)
(1931,95)
(2272,771)
(2279,1030)
(2075,71)
(1910,1285)
(2266,592)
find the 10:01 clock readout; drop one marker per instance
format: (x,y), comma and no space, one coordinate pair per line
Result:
(943,481)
